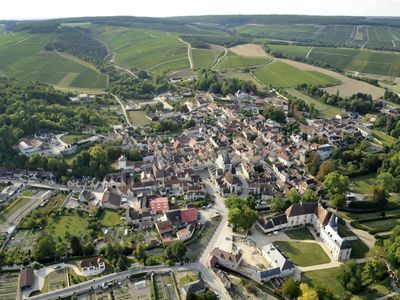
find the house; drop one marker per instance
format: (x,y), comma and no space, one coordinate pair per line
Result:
(111,200)
(192,288)
(93,266)
(280,266)
(311,213)
(85,196)
(225,259)
(159,205)
(26,277)
(364,130)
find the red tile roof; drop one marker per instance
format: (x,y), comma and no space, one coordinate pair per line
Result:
(189,215)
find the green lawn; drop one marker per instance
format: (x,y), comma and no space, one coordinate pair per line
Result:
(204,58)
(327,278)
(27,193)
(383,137)
(12,208)
(110,218)
(326,110)
(344,231)
(381,225)
(300,234)
(138,118)
(188,278)
(359,249)
(280,74)
(232,61)
(363,184)
(73,138)
(303,254)
(74,224)
(330,279)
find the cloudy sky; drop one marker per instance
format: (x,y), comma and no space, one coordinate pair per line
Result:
(42,9)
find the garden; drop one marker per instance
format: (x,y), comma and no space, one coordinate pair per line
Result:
(303,254)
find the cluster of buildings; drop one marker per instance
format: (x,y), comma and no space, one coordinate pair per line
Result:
(312,214)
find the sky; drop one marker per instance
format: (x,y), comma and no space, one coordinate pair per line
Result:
(44,9)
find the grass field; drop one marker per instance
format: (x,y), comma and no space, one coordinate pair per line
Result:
(8,285)
(73,138)
(138,118)
(74,224)
(356,60)
(110,218)
(12,208)
(55,281)
(145,49)
(300,234)
(303,254)
(205,58)
(359,249)
(330,279)
(22,57)
(234,61)
(280,74)
(365,215)
(326,110)
(383,137)
(363,184)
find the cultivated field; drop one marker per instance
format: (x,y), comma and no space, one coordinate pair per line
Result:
(55,281)
(355,60)
(347,88)
(22,57)
(233,61)
(8,285)
(205,58)
(282,74)
(249,50)
(145,49)
(374,37)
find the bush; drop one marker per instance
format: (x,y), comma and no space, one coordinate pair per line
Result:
(367,205)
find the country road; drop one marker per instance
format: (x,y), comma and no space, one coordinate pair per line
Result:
(221,58)
(125,70)
(189,53)
(123,110)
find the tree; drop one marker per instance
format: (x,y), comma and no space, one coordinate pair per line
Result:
(76,247)
(243,217)
(175,251)
(336,184)
(392,253)
(251,201)
(45,248)
(293,196)
(325,168)
(122,263)
(291,288)
(388,181)
(309,196)
(233,201)
(378,193)
(139,252)
(307,293)
(350,276)
(338,201)
(374,271)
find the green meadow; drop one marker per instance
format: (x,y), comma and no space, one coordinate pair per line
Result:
(232,61)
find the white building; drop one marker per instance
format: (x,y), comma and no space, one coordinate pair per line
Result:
(311,213)
(93,266)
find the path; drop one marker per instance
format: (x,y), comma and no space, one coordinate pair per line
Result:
(367,41)
(189,53)
(125,70)
(364,236)
(221,58)
(308,53)
(123,110)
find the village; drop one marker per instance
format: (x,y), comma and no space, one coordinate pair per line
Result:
(176,192)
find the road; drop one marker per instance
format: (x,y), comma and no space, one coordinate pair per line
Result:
(96,283)
(189,53)
(125,70)
(123,110)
